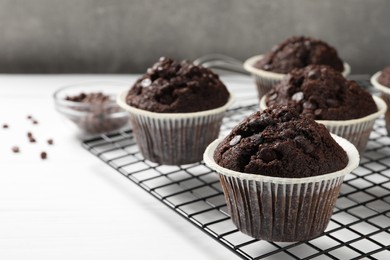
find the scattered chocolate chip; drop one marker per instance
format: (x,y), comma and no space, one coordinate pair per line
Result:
(32,140)
(50,141)
(35,122)
(29,117)
(43,155)
(15,149)
(29,134)
(235,140)
(5,126)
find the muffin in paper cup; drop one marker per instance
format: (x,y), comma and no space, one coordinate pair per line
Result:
(385,94)
(266,79)
(281,209)
(357,131)
(174,138)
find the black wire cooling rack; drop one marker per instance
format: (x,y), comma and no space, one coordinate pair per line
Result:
(359,228)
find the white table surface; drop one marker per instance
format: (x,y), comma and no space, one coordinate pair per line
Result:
(72,205)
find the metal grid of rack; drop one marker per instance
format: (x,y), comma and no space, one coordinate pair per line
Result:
(359,228)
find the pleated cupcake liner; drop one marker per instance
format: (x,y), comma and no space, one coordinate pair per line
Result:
(385,94)
(357,131)
(174,138)
(281,209)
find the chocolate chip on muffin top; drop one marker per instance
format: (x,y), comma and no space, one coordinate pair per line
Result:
(384,78)
(177,87)
(298,52)
(279,142)
(321,93)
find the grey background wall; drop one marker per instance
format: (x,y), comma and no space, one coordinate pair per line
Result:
(126,36)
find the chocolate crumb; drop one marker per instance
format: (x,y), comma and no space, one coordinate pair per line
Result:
(29,135)
(43,155)
(15,149)
(5,126)
(35,122)
(32,140)
(29,117)
(50,141)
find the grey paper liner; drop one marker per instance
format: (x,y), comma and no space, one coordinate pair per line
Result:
(175,141)
(281,209)
(280,212)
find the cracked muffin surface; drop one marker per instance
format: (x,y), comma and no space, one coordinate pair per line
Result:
(298,52)
(279,142)
(321,93)
(177,87)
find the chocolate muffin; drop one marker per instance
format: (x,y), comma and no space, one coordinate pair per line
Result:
(298,52)
(176,110)
(279,142)
(177,87)
(384,78)
(322,93)
(281,174)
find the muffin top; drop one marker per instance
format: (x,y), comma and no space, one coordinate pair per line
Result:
(279,142)
(321,93)
(384,78)
(298,52)
(177,87)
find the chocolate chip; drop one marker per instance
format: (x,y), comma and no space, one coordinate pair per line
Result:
(32,140)
(50,141)
(29,117)
(332,102)
(254,122)
(309,105)
(318,112)
(35,122)
(272,96)
(43,155)
(146,82)
(29,134)
(304,144)
(235,140)
(313,74)
(298,96)
(291,90)
(15,149)
(256,140)
(5,126)
(298,82)
(267,154)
